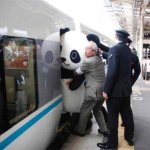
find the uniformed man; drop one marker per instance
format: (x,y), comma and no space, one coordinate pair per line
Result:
(117,91)
(135,67)
(135,64)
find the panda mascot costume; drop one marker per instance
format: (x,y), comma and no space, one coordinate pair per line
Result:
(72,55)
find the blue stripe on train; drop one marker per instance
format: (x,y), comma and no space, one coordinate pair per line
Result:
(26,126)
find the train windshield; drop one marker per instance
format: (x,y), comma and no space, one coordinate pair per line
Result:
(18,94)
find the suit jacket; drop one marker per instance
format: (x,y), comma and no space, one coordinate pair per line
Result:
(118,80)
(93,69)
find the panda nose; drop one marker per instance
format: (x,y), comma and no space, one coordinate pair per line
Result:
(63,59)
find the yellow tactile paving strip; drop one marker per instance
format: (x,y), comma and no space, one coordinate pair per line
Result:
(123,145)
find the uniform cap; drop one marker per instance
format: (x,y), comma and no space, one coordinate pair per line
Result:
(122,33)
(94,38)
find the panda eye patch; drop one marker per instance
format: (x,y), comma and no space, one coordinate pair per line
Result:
(49,57)
(75,57)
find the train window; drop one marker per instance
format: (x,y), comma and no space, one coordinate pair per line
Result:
(19,76)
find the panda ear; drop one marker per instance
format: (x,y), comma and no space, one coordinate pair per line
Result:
(62,31)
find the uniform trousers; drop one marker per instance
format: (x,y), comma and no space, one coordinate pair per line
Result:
(114,106)
(86,108)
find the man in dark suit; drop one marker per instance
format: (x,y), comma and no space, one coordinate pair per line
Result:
(135,64)
(117,91)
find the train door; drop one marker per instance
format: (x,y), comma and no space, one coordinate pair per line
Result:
(18,95)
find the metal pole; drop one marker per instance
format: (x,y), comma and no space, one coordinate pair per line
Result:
(140,48)
(141,37)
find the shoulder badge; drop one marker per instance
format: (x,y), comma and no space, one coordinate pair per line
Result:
(110,55)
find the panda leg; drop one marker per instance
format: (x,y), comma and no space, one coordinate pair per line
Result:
(74,120)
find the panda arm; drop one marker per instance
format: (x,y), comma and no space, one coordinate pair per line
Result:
(103,47)
(79,78)
(76,82)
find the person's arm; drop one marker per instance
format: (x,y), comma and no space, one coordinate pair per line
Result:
(79,77)
(136,68)
(78,71)
(82,69)
(112,71)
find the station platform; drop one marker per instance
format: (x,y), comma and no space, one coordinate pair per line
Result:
(140,104)
(89,141)
(141,111)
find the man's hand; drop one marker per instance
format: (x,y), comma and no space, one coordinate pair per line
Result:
(68,81)
(105,95)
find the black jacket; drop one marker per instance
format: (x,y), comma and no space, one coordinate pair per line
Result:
(118,79)
(135,68)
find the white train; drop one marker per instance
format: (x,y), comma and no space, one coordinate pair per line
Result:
(30,95)
(30,81)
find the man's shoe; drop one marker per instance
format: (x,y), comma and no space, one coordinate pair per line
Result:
(77,133)
(130,142)
(106,146)
(104,133)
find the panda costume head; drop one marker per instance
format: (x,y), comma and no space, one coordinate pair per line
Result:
(72,48)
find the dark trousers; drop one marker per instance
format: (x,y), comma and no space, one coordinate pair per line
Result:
(116,106)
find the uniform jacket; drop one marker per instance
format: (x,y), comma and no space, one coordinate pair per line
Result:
(93,68)
(118,79)
(135,68)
